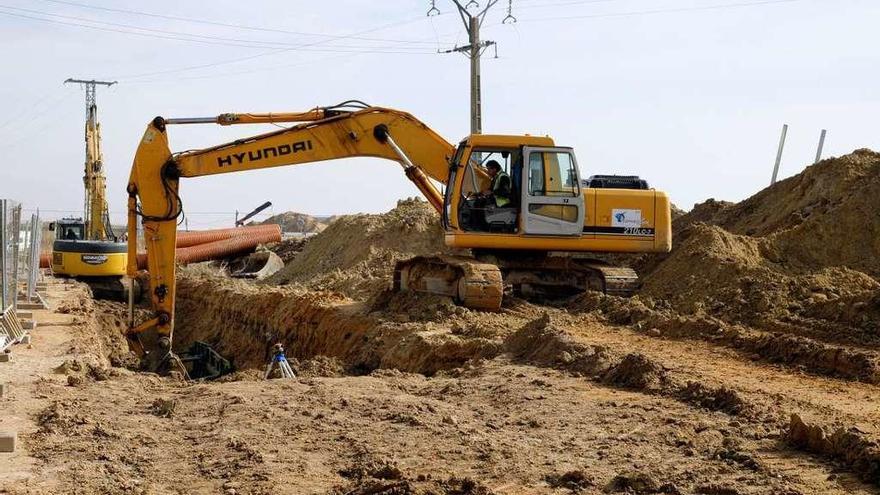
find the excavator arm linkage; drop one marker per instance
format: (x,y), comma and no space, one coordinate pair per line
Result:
(321,134)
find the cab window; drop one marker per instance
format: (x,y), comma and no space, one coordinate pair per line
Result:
(476,177)
(552,174)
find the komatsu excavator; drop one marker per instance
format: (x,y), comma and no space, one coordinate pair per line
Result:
(529,246)
(87,250)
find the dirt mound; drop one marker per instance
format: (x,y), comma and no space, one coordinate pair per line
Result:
(291,221)
(355,255)
(855,448)
(824,216)
(802,254)
(729,275)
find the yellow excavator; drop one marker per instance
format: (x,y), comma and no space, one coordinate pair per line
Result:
(88,250)
(529,245)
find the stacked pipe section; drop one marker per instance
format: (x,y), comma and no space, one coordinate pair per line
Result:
(208,245)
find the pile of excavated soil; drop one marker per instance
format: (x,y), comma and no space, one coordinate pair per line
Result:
(355,255)
(824,216)
(805,251)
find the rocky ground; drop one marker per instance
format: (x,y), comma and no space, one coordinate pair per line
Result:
(748,364)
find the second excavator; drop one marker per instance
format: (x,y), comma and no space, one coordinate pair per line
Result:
(87,248)
(532,245)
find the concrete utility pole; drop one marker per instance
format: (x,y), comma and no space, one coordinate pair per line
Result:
(779,153)
(821,145)
(474,50)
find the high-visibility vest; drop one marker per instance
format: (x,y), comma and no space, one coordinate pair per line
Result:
(499,191)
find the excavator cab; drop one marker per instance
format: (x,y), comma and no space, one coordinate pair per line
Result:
(546,193)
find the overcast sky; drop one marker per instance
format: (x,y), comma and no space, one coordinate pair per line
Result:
(689,96)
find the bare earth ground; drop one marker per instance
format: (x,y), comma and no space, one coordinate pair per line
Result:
(518,423)
(747,364)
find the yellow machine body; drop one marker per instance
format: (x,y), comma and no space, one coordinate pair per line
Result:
(554,209)
(81,263)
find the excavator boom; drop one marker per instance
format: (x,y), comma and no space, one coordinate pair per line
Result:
(337,132)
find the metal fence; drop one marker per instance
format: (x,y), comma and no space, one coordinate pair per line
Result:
(10,236)
(20,247)
(29,258)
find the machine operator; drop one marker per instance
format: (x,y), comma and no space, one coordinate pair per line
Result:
(499,187)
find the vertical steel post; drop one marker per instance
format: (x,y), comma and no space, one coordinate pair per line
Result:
(34,262)
(821,145)
(14,238)
(3,250)
(779,153)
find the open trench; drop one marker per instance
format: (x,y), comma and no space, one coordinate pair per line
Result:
(243,321)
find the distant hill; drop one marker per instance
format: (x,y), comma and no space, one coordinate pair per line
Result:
(291,221)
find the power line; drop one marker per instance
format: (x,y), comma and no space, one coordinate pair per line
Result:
(181,36)
(263,54)
(34,106)
(248,71)
(660,11)
(474,51)
(561,4)
(42,128)
(223,24)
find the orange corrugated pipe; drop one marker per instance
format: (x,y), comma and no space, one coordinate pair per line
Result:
(187,239)
(223,248)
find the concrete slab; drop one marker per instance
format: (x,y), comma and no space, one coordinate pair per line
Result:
(28,324)
(25,340)
(22,305)
(24,315)
(8,439)
(5,357)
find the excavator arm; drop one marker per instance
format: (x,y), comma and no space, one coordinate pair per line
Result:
(321,134)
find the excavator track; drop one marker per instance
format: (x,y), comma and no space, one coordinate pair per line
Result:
(554,277)
(471,283)
(479,283)
(617,280)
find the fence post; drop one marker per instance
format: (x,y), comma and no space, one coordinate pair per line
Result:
(34,256)
(14,238)
(3,298)
(779,153)
(821,145)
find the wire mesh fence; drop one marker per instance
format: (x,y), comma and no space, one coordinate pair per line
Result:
(11,330)
(30,247)
(10,223)
(20,248)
